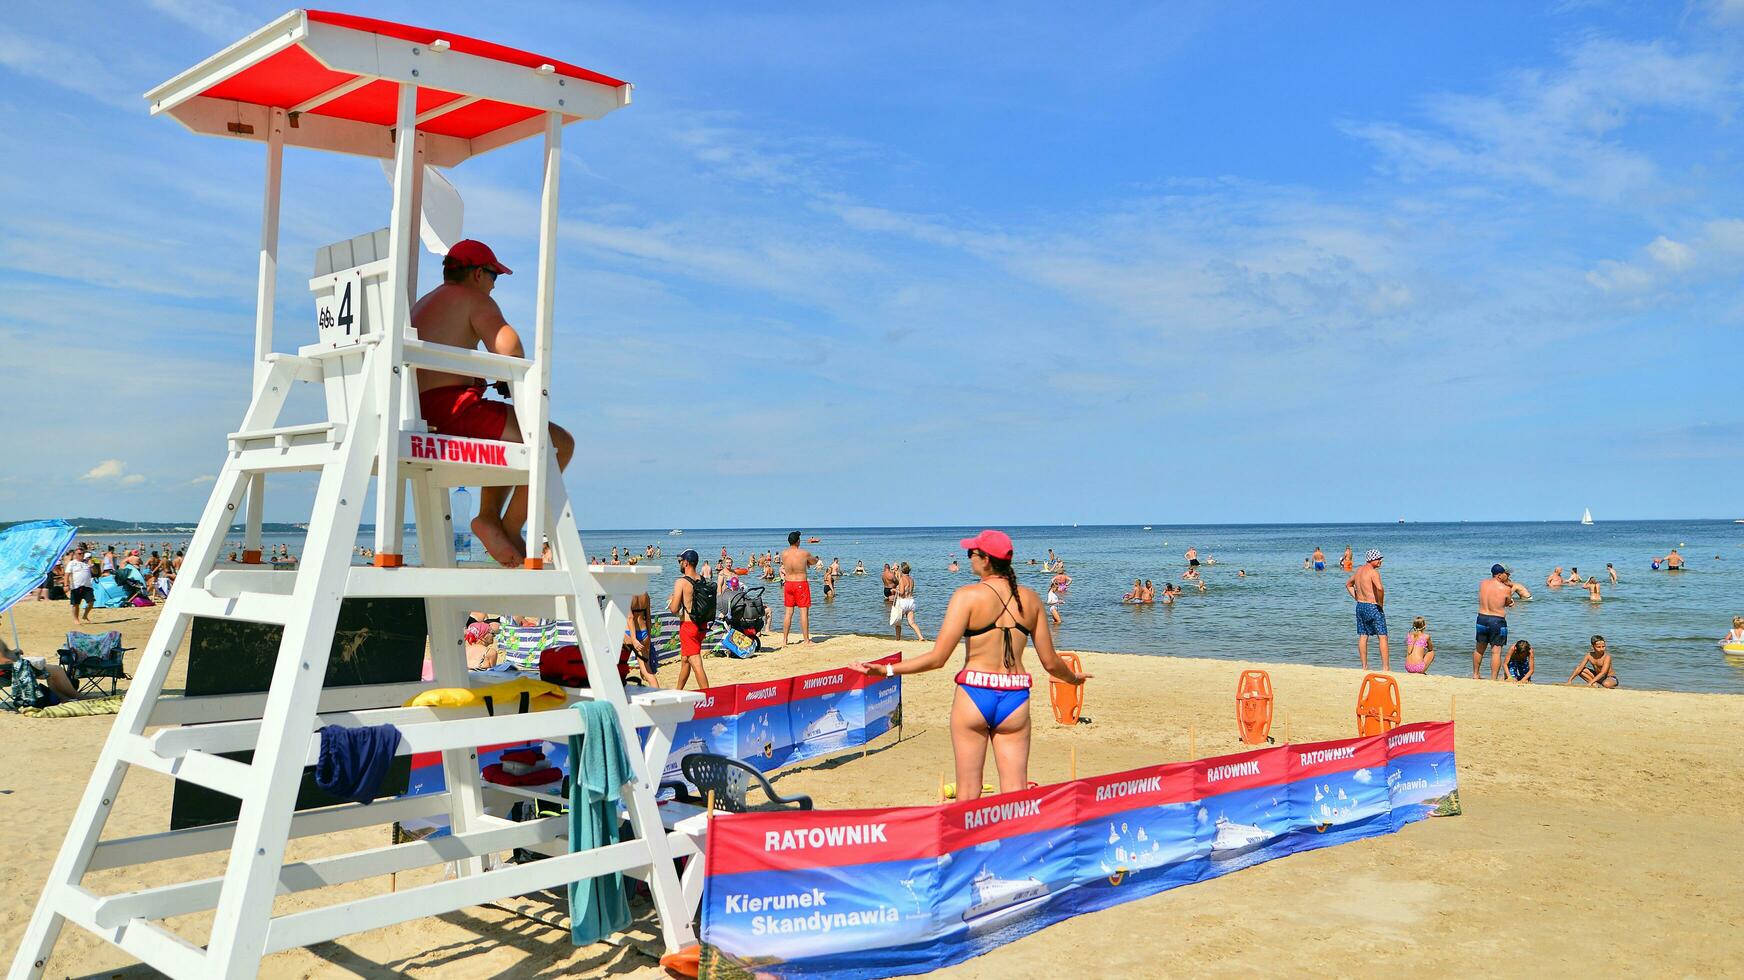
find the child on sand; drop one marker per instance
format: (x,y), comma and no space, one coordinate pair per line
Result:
(1595,667)
(1419,647)
(1520,662)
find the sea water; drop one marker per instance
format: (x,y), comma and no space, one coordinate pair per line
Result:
(1662,627)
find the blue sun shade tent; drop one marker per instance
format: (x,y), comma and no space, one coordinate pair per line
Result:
(28,552)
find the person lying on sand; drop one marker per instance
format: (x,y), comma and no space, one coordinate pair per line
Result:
(995,618)
(59,687)
(1595,667)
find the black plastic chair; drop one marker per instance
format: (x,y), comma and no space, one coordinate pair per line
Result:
(726,778)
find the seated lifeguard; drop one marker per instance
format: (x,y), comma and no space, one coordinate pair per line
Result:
(461,313)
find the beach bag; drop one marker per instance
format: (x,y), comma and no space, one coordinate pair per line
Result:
(746,610)
(26,690)
(738,643)
(564,666)
(702,601)
(140,601)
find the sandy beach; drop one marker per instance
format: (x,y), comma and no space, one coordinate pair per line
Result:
(1599,833)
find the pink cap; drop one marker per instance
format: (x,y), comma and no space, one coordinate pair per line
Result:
(994,544)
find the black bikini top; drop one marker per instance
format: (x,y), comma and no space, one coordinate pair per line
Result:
(1005,631)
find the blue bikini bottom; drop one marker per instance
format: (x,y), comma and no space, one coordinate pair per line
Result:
(995,695)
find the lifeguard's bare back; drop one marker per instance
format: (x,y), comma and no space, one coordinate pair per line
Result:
(461,313)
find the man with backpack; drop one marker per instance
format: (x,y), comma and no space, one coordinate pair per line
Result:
(693,600)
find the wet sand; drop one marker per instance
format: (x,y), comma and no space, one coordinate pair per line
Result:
(1600,832)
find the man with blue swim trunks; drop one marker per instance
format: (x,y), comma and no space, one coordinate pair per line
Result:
(1495,595)
(1364,585)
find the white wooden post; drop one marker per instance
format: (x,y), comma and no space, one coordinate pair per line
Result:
(389,491)
(534,406)
(410,410)
(264,296)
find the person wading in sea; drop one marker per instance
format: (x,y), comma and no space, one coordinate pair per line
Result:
(1365,587)
(994,619)
(1495,595)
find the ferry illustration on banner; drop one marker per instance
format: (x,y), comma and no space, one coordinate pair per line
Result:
(998,899)
(675,759)
(1235,839)
(829,724)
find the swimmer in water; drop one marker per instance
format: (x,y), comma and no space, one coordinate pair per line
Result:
(1347,562)
(1592,587)
(1554,579)
(1673,561)
(1319,559)
(1133,593)
(1149,594)
(994,619)
(1737,634)
(1611,570)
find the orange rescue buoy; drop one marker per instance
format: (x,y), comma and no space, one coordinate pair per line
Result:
(1067,699)
(1377,705)
(687,962)
(1253,707)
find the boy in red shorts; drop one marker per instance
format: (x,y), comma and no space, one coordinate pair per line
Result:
(461,313)
(693,599)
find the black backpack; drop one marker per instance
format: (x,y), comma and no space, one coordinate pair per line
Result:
(746,611)
(702,601)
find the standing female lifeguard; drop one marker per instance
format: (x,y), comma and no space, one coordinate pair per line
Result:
(992,700)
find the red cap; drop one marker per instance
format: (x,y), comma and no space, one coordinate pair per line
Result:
(472,253)
(993,544)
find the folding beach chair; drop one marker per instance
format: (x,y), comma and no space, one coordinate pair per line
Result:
(92,658)
(728,779)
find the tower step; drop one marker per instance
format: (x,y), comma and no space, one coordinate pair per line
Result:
(214,772)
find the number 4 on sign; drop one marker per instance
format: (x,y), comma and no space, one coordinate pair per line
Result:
(345,318)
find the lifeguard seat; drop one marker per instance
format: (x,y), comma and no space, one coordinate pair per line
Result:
(1377,705)
(1253,707)
(1067,699)
(413,96)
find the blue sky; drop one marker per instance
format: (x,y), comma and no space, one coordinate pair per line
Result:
(941,263)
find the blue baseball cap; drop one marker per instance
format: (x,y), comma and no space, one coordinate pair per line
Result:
(1498,569)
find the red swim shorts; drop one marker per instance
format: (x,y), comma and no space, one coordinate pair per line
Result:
(690,636)
(796,594)
(462,410)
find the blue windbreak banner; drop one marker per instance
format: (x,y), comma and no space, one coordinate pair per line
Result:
(889,892)
(28,552)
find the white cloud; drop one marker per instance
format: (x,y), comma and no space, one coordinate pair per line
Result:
(1559,129)
(70,68)
(203,480)
(109,469)
(210,17)
(132,480)
(1672,255)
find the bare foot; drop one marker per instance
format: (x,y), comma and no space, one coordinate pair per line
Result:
(497,542)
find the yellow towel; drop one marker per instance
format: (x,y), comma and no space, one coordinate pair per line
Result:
(541,696)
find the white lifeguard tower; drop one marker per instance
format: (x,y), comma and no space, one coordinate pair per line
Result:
(353,85)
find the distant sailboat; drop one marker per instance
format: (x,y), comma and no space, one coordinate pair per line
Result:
(1587,516)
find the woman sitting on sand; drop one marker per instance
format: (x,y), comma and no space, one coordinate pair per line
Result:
(992,700)
(1419,648)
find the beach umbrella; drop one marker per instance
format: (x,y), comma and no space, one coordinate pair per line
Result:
(28,552)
